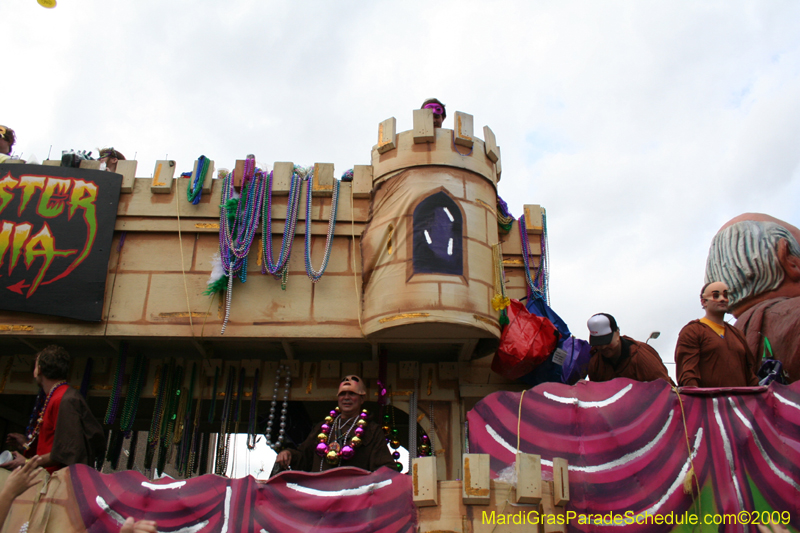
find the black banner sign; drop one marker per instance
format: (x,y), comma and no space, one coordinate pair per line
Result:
(56,226)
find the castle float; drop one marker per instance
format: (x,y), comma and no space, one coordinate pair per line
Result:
(416,258)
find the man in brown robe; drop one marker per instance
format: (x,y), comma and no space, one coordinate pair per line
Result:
(615,356)
(67,433)
(370,454)
(758,256)
(711,353)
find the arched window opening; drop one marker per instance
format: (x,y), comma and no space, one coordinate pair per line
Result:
(437,236)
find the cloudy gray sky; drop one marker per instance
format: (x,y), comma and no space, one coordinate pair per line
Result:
(641,126)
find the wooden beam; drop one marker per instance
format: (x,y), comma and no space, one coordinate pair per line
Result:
(467,349)
(463,129)
(387,134)
(560,481)
(490,144)
(423,126)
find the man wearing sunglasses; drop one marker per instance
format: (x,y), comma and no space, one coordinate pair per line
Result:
(439,111)
(369,448)
(711,353)
(7,139)
(615,356)
(110,157)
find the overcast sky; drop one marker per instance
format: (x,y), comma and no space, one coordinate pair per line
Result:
(640,126)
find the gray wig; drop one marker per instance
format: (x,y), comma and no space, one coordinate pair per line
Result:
(745,256)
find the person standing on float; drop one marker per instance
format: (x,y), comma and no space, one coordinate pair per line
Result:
(62,430)
(345,438)
(710,352)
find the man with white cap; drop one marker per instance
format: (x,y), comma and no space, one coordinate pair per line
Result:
(347,437)
(711,353)
(615,356)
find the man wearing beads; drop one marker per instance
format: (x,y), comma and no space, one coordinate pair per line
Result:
(345,438)
(439,112)
(711,353)
(62,430)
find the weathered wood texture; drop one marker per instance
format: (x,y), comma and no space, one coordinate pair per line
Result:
(451,514)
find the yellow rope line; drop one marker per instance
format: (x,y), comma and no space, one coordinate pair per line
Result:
(519,418)
(355,272)
(691,474)
(183,265)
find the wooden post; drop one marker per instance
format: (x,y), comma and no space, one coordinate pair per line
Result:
(362,181)
(475,488)
(490,144)
(282,178)
(163,176)
(127,167)
(560,481)
(238,175)
(533,218)
(498,165)
(423,126)
(209,175)
(90,164)
(529,478)
(387,133)
(463,129)
(423,480)
(322,183)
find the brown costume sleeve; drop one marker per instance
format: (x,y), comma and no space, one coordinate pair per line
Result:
(380,455)
(687,357)
(650,366)
(593,370)
(79,436)
(303,458)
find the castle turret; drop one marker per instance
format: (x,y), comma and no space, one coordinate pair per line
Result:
(428,265)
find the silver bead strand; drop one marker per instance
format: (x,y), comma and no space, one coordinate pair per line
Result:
(284,407)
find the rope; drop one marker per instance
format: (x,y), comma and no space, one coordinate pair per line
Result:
(519,417)
(690,475)
(183,266)
(355,272)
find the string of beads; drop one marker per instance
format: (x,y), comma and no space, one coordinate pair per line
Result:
(284,409)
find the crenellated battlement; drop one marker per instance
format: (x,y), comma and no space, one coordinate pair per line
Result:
(163,246)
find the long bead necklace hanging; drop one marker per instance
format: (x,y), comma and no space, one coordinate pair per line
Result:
(34,433)
(194,189)
(119,374)
(284,409)
(251,421)
(391,434)
(155,425)
(132,450)
(425,443)
(168,424)
(269,266)
(132,397)
(533,288)
(334,449)
(195,434)
(183,431)
(221,466)
(238,228)
(315,275)
(237,416)
(412,419)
